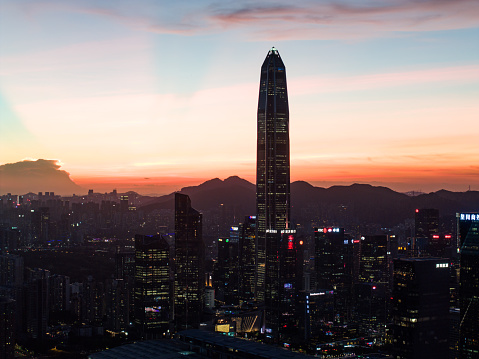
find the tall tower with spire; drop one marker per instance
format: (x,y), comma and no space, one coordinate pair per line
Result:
(272,165)
(275,257)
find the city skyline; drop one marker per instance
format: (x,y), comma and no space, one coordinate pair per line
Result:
(379,93)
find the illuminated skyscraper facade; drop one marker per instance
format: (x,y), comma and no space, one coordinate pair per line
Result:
(420,308)
(275,241)
(469,285)
(247,259)
(272,166)
(152,286)
(189,265)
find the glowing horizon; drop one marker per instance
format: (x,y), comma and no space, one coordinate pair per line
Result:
(379,93)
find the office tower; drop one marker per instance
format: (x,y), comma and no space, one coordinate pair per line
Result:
(469,285)
(373,264)
(226,268)
(426,226)
(272,164)
(274,236)
(316,308)
(247,259)
(334,264)
(189,265)
(426,222)
(420,308)
(372,288)
(152,286)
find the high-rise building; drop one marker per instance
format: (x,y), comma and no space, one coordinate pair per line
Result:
(426,222)
(117,307)
(334,268)
(247,259)
(189,265)
(59,293)
(426,231)
(7,327)
(152,285)
(420,308)
(272,166)
(37,303)
(275,239)
(226,268)
(469,285)
(272,162)
(372,288)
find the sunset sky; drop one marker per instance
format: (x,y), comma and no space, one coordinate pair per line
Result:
(146,94)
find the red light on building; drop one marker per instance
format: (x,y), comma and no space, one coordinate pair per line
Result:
(325,230)
(374,287)
(435,236)
(356,241)
(290,242)
(417,211)
(448,236)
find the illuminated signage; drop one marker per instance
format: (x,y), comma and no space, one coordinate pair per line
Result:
(152,309)
(331,230)
(234,228)
(288,231)
(442,265)
(223,328)
(321,293)
(288,285)
(469,216)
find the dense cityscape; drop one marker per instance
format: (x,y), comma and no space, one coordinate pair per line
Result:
(119,275)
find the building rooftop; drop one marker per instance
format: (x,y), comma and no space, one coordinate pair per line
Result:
(150,349)
(239,346)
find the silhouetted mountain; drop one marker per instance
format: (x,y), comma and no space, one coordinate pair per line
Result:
(357,203)
(233,191)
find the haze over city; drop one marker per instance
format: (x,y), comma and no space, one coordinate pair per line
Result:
(153,96)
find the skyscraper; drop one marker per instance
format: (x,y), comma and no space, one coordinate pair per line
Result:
(469,285)
(275,240)
(152,286)
(420,308)
(189,265)
(272,166)
(247,261)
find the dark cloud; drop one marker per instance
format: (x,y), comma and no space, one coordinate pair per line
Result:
(36,176)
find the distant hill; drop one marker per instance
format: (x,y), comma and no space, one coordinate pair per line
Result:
(233,191)
(360,202)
